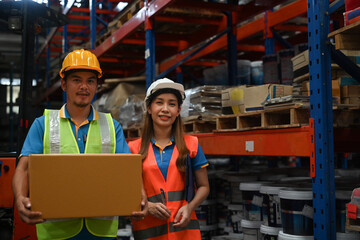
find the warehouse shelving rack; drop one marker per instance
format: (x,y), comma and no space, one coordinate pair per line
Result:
(314,141)
(318,140)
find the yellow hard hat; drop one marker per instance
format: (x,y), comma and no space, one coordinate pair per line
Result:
(80,59)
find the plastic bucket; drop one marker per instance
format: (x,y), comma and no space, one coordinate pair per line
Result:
(243,72)
(286,66)
(271,205)
(253,200)
(284,236)
(296,211)
(251,229)
(234,181)
(206,213)
(269,233)
(235,217)
(124,234)
(342,197)
(208,231)
(257,76)
(270,69)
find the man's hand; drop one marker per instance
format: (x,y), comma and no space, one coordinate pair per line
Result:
(23,205)
(144,208)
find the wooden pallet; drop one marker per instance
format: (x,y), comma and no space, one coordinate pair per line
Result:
(347,37)
(125,15)
(199,126)
(275,118)
(102,38)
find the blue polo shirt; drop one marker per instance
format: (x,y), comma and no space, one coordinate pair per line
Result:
(163,157)
(34,145)
(34,140)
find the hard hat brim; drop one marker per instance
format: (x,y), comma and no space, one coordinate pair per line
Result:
(98,70)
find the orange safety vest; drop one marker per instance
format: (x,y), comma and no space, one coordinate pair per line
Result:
(174,187)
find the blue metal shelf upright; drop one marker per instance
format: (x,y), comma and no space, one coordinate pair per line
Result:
(321,112)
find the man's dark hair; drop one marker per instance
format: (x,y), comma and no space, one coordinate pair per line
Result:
(67,73)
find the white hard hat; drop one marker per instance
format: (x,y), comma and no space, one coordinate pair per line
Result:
(162,84)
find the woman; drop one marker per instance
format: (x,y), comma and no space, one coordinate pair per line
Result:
(164,149)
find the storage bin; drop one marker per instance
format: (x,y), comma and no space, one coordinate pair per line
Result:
(296,211)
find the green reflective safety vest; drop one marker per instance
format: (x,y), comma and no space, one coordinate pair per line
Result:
(59,138)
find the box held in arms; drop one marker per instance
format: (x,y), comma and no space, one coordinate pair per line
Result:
(85,185)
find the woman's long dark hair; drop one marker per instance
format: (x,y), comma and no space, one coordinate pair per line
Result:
(177,132)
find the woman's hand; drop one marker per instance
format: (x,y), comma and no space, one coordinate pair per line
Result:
(23,205)
(159,210)
(184,212)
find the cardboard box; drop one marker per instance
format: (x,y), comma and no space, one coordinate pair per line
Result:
(350,91)
(350,100)
(232,100)
(85,185)
(335,88)
(254,97)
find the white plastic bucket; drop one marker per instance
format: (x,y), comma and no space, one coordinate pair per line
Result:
(284,236)
(271,205)
(296,211)
(253,200)
(251,229)
(269,232)
(235,216)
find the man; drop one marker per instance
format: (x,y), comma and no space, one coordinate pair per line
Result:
(79,79)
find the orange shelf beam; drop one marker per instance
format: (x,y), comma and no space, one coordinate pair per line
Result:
(277,142)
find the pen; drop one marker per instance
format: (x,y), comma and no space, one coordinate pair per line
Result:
(163,196)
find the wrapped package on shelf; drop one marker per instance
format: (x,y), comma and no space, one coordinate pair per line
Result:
(112,101)
(202,101)
(205,100)
(132,112)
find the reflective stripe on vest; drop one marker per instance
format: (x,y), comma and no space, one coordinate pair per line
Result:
(174,188)
(59,138)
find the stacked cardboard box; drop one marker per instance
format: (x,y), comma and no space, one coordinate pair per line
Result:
(350,94)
